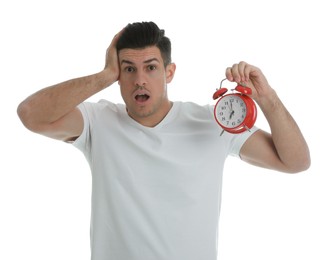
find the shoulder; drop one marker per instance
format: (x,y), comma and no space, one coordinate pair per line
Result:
(196,110)
(95,108)
(98,113)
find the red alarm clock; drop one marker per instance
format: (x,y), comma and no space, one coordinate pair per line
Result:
(235,112)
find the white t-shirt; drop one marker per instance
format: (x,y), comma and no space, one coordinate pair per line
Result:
(156,192)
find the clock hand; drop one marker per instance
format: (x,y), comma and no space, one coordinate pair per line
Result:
(230,106)
(232,113)
(231,110)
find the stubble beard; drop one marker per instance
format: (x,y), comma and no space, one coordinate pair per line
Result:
(144,112)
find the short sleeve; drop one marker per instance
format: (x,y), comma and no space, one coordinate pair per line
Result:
(239,140)
(83,141)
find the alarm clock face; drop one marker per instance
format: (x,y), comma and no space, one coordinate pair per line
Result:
(230,111)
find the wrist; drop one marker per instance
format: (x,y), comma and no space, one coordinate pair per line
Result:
(106,77)
(269,101)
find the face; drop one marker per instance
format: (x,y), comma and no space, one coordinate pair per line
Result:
(143,83)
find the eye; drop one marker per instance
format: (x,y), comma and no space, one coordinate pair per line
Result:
(129,69)
(151,67)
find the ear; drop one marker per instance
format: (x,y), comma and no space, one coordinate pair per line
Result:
(170,72)
(119,80)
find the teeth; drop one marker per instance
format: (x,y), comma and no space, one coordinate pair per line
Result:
(142,97)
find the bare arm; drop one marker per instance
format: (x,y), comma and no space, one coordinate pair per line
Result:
(285,149)
(53,111)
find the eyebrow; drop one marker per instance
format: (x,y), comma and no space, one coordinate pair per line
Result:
(146,61)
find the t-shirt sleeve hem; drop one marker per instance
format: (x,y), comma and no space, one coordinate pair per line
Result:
(240,140)
(81,140)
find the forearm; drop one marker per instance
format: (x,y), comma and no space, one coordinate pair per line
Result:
(288,140)
(51,103)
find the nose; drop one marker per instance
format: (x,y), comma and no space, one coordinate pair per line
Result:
(140,79)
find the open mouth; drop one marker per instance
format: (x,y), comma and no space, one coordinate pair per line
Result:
(142,98)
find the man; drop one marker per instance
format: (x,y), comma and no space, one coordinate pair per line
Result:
(157,165)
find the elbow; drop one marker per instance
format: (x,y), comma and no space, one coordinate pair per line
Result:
(307,163)
(302,165)
(24,114)
(22,111)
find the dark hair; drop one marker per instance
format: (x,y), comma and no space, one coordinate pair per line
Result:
(145,34)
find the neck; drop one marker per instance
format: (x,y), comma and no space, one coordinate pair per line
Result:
(154,117)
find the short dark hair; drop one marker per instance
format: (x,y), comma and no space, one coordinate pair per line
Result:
(145,34)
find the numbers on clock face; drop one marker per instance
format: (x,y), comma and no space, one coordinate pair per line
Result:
(231,111)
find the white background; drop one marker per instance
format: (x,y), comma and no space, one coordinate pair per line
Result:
(45,184)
